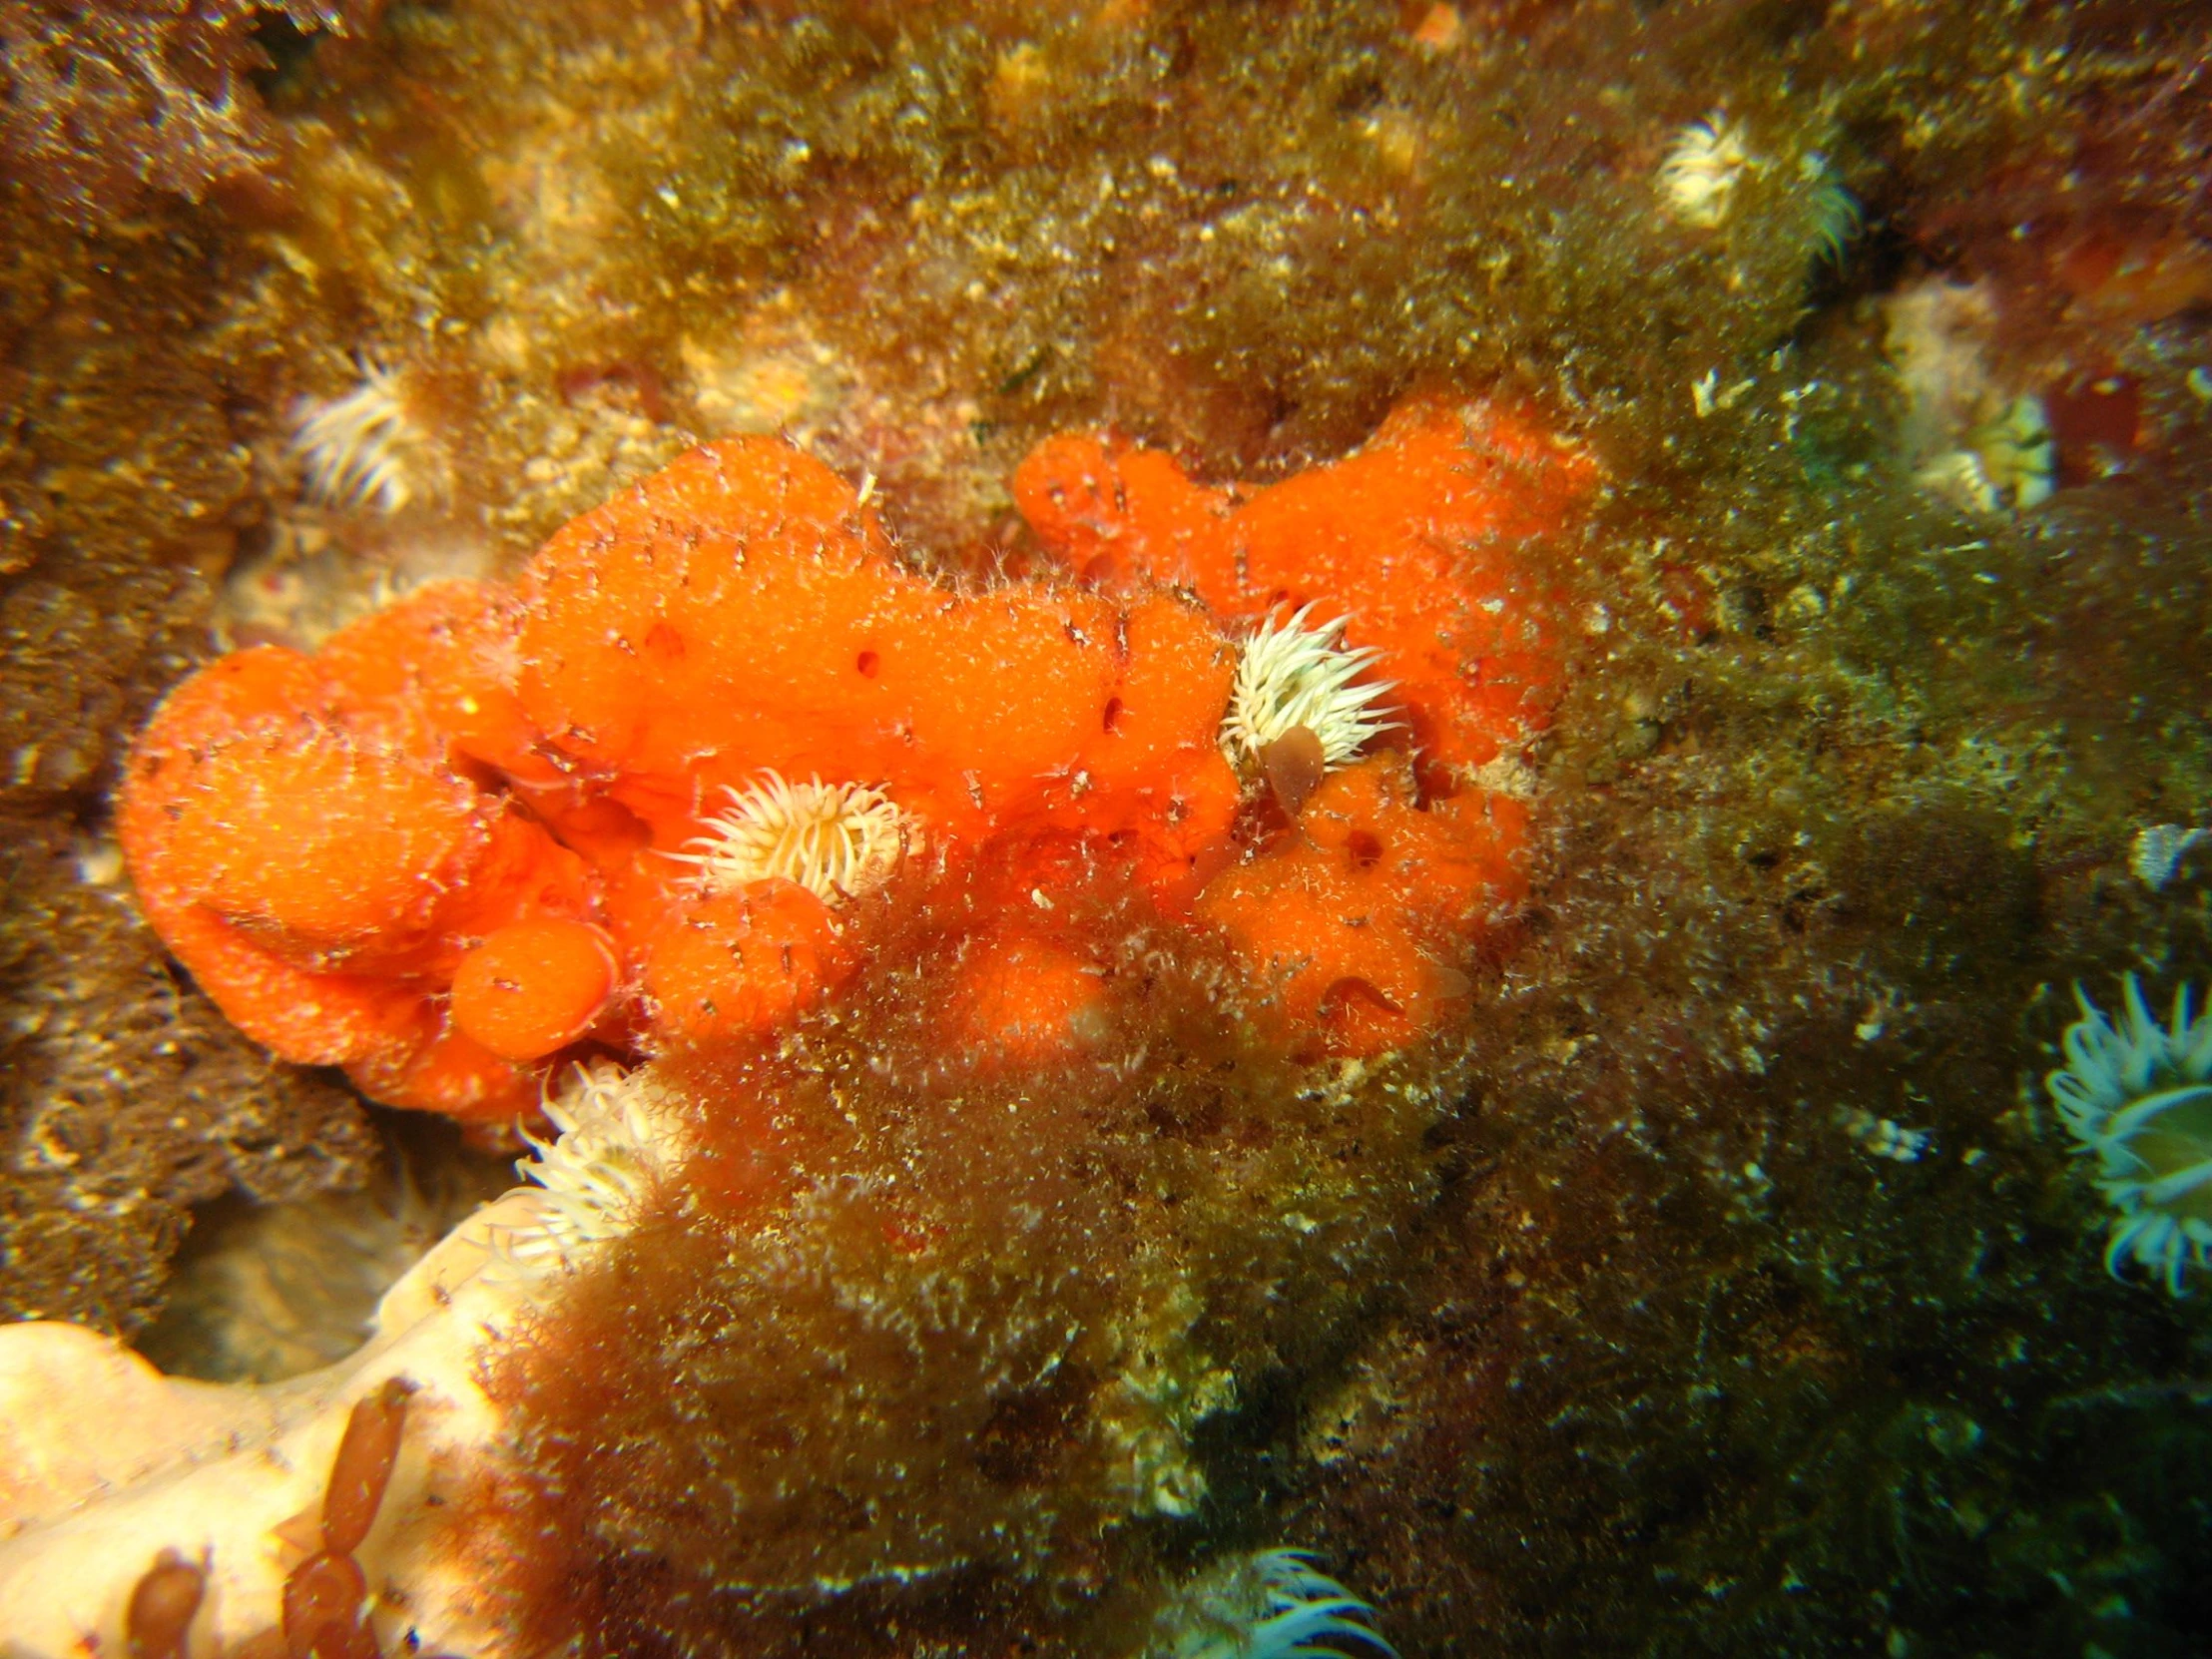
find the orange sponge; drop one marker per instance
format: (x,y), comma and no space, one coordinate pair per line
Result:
(1117,514)
(534,988)
(430,673)
(740,964)
(1018,997)
(739,613)
(372,842)
(495,821)
(1351,924)
(1411,540)
(321,876)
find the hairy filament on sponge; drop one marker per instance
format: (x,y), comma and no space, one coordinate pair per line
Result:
(835,839)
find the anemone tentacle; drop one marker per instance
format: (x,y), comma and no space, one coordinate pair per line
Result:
(2136,1095)
(1701,170)
(837,840)
(1290,674)
(361,449)
(1277,1604)
(611,1149)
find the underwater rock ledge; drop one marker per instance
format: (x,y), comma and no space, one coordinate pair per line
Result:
(1652,1231)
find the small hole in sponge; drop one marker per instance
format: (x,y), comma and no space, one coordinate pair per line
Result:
(868,663)
(1363,850)
(1112,717)
(665,642)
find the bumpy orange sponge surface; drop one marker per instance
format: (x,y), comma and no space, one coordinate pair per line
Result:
(1413,541)
(495,824)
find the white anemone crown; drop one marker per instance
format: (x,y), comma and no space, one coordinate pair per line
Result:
(2137,1097)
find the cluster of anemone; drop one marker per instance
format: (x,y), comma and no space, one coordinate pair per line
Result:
(2136,1096)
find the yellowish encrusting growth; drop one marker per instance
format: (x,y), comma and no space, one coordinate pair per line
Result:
(126,1463)
(1290,674)
(835,839)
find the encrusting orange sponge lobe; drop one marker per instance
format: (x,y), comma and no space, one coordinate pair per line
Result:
(653,796)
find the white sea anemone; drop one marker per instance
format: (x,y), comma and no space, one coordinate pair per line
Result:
(1274,1605)
(1290,674)
(1702,168)
(362,449)
(614,1143)
(833,840)
(2138,1096)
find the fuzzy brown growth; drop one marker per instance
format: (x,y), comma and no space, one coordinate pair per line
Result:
(110,99)
(115,1080)
(979,1330)
(125,1098)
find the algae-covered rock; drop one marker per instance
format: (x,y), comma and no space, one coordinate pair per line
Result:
(1721,1281)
